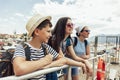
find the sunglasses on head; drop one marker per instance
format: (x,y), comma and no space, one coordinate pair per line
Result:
(70,25)
(87,31)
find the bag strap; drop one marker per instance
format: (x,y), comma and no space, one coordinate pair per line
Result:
(85,41)
(75,41)
(27,51)
(44,50)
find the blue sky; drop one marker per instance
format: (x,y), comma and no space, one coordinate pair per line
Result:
(103,16)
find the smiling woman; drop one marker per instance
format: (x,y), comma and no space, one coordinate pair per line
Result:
(62,42)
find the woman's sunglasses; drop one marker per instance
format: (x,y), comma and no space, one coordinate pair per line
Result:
(87,31)
(70,25)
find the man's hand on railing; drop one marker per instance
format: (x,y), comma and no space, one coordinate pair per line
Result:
(48,58)
(57,63)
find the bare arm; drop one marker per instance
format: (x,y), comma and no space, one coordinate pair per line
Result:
(87,56)
(21,66)
(73,55)
(62,61)
(60,54)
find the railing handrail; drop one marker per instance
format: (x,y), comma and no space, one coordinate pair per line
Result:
(41,72)
(2,51)
(97,56)
(34,74)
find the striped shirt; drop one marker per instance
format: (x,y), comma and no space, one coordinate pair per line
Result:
(35,54)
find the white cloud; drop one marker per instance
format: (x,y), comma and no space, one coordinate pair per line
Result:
(99,14)
(19,14)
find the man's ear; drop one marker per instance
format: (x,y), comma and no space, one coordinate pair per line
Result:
(36,31)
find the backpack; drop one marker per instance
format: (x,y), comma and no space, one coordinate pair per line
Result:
(76,40)
(6,67)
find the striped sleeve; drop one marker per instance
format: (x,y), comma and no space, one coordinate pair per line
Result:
(51,51)
(19,51)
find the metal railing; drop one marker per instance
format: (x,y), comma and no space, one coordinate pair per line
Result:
(94,60)
(106,56)
(34,74)
(48,70)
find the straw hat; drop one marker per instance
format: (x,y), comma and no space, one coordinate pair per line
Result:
(33,23)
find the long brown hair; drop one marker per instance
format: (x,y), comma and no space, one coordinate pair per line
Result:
(59,32)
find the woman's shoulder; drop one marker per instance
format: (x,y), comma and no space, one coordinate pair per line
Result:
(69,41)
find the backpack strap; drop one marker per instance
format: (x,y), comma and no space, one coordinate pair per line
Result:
(27,51)
(44,50)
(85,41)
(74,41)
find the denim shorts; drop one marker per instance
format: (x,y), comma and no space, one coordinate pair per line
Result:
(74,71)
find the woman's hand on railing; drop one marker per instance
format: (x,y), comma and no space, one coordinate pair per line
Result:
(84,69)
(89,68)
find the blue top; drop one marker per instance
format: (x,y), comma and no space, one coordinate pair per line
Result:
(80,48)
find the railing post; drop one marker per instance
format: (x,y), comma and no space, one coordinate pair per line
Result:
(119,50)
(69,73)
(95,45)
(93,76)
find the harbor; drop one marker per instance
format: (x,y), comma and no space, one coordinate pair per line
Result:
(96,22)
(108,50)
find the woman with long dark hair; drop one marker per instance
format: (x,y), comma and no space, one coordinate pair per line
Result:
(61,41)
